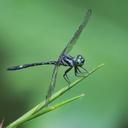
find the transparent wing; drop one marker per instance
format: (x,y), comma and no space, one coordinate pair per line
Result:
(77,33)
(52,83)
(53,80)
(65,51)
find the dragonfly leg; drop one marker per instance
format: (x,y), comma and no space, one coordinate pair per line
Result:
(78,72)
(65,75)
(85,69)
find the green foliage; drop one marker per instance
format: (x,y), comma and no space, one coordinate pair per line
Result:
(42,108)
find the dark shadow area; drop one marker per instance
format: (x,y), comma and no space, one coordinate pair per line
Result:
(123,122)
(123,116)
(12,105)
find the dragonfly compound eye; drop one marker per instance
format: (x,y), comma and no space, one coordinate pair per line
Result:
(79,60)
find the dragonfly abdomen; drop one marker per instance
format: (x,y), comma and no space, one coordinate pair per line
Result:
(18,67)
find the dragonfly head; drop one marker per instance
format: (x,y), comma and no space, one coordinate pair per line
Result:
(79,60)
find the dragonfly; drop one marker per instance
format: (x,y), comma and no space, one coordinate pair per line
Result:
(64,59)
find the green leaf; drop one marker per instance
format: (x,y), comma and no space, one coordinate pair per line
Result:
(53,107)
(36,110)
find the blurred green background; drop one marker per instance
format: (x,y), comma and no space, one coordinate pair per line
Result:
(38,30)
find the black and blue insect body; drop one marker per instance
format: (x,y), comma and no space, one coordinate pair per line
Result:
(64,59)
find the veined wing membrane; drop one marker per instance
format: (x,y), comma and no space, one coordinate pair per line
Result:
(53,82)
(65,51)
(77,33)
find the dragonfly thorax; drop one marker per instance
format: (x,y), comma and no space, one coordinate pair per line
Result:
(79,60)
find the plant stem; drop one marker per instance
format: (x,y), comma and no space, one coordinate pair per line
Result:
(41,105)
(53,107)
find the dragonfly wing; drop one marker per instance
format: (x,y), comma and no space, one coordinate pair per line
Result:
(77,33)
(53,82)
(65,51)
